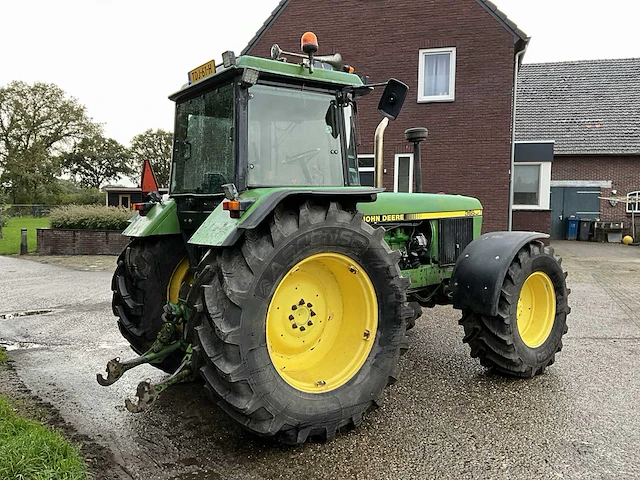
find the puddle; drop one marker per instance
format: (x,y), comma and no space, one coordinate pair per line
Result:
(10,346)
(7,316)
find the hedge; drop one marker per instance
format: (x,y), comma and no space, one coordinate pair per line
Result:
(90,217)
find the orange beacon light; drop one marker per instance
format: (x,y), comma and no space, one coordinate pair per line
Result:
(309,43)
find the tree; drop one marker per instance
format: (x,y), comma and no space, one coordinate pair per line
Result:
(95,160)
(37,123)
(154,146)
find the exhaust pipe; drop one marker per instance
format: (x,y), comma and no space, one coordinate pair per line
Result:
(379,151)
(416,136)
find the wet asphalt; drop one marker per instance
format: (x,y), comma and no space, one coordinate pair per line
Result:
(445,418)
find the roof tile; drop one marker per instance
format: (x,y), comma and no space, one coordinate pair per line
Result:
(588,107)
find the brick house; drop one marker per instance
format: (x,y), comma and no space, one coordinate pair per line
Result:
(458,58)
(590,112)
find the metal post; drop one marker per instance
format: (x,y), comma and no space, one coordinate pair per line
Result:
(0,223)
(24,248)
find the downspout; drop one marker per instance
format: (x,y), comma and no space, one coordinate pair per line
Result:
(519,56)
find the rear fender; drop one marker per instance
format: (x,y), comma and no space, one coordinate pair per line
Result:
(219,230)
(162,219)
(481,268)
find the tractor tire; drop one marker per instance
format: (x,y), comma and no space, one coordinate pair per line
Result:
(150,272)
(302,323)
(524,337)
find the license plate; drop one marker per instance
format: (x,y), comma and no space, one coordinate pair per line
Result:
(203,71)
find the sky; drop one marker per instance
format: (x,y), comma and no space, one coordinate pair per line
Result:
(121,59)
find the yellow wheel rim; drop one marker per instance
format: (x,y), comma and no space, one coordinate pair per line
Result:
(181,275)
(322,322)
(536,309)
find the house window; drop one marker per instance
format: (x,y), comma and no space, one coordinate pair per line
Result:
(633,202)
(526,188)
(403,173)
(366,169)
(532,186)
(437,75)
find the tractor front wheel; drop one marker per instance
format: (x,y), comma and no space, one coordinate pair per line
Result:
(524,337)
(151,272)
(302,323)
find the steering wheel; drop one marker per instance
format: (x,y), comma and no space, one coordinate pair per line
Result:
(303,157)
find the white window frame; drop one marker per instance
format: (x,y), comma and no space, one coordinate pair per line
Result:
(636,201)
(544,187)
(422,98)
(395,171)
(367,169)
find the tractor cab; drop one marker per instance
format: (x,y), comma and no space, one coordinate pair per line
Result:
(256,123)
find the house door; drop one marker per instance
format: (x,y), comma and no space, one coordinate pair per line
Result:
(125,201)
(583,202)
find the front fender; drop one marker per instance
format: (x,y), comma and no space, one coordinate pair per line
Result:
(481,268)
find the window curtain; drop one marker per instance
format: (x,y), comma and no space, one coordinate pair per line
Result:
(437,70)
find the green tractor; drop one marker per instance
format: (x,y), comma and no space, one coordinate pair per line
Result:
(269,272)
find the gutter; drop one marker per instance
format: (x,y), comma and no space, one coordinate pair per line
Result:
(516,70)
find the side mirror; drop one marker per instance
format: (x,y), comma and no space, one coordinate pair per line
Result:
(392,99)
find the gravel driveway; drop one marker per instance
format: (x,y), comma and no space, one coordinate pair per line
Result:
(445,418)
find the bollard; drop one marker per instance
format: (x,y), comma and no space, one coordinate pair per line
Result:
(24,248)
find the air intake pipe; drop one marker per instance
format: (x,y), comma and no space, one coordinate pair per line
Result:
(378,150)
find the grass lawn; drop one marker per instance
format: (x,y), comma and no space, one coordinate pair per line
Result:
(10,243)
(28,450)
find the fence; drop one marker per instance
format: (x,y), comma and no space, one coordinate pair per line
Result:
(26,210)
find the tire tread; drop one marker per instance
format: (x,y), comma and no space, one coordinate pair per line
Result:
(229,382)
(491,339)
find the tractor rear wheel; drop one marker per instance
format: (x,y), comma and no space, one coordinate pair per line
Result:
(302,323)
(524,337)
(151,272)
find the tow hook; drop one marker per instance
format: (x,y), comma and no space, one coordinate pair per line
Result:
(148,392)
(165,344)
(116,368)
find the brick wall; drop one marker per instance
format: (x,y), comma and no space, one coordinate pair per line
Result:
(532,220)
(79,242)
(468,150)
(624,173)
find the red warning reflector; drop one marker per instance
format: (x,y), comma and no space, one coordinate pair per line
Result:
(149,182)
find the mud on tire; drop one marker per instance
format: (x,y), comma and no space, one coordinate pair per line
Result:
(139,288)
(496,341)
(230,337)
